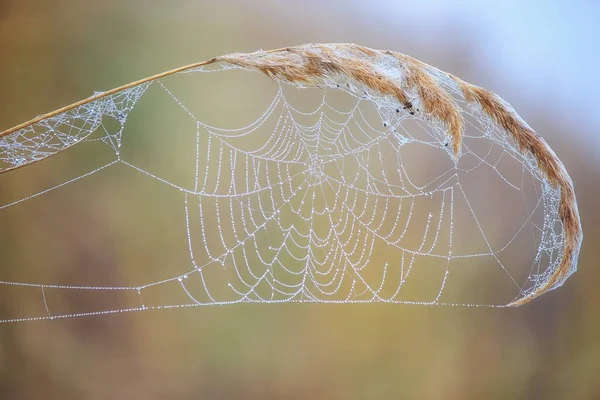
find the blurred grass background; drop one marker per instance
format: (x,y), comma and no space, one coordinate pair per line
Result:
(536,55)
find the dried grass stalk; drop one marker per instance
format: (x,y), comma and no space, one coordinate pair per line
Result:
(392,74)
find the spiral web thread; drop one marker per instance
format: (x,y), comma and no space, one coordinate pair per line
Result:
(312,212)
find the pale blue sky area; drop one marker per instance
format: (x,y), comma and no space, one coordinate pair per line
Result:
(547,50)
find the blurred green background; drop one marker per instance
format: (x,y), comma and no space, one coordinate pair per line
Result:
(538,56)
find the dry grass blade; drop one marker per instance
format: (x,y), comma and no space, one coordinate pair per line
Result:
(384,73)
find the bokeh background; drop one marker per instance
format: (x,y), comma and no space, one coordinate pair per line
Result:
(540,56)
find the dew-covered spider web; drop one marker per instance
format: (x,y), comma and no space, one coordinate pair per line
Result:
(221,186)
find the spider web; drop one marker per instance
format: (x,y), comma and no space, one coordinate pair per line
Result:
(332,194)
